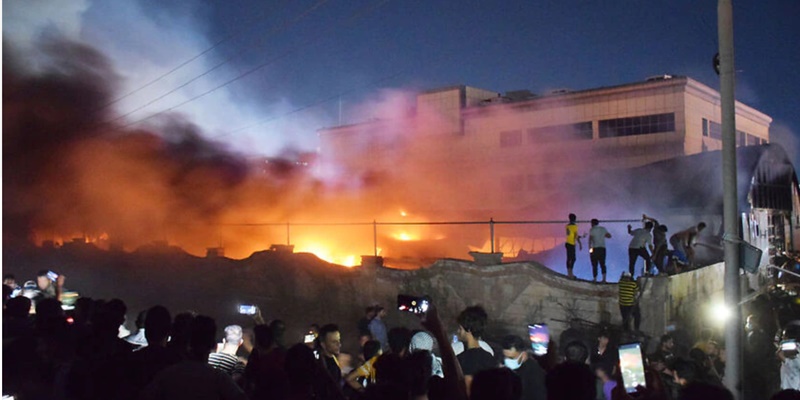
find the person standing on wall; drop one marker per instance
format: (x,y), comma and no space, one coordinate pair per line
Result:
(628,299)
(659,242)
(638,247)
(597,248)
(572,239)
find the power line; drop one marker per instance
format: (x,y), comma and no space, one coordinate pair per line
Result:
(273,32)
(357,15)
(185,62)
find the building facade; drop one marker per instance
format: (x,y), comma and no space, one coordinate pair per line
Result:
(508,152)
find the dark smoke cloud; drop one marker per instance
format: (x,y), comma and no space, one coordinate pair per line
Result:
(69,171)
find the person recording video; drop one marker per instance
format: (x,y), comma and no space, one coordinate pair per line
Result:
(50,285)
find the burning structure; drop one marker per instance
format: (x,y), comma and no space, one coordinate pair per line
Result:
(377,188)
(514,150)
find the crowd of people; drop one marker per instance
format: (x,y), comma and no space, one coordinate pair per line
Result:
(51,354)
(648,243)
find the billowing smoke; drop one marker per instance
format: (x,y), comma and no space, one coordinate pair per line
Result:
(68,171)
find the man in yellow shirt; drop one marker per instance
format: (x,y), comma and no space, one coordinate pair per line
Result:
(572,238)
(364,375)
(629,301)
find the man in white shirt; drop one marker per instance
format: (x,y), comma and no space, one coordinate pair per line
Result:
(638,247)
(597,248)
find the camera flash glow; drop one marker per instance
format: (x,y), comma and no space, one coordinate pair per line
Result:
(720,312)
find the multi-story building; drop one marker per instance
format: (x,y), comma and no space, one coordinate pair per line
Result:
(507,152)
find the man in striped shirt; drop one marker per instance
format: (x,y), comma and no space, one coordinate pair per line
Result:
(628,301)
(225,358)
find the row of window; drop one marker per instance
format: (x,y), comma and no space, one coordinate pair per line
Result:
(545,134)
(714,130)
(632,126)
(617,127)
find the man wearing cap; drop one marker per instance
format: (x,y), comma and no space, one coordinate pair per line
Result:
(423,341)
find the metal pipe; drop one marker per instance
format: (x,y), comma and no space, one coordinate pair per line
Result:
(733,340)
(407,223)
(491,232)
(375,237)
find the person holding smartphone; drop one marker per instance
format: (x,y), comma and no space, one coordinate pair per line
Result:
(787,354)
(50,285)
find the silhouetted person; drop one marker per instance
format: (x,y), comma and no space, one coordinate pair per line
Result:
(264,374)
(571,380)
(365,374)
(278,328)
(683,243)
(638,247)
(597,248)
(9,285)
(145,363)
(179,341)
(330,344)
(576,352)
(572,239)
(517,359)
(377,328)
(660,247)
(604,351)
(194,378)
(307,379)
(628,301)
(138,339)
(605,374)
(496,384)
(363,325)
(786,394)
(471,325)
(704,391)
(16,318)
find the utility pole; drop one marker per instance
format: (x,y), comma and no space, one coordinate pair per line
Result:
(733,342)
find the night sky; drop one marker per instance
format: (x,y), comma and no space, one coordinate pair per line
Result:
(303,58)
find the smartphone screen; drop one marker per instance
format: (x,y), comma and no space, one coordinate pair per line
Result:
(52,276)
(789,346)
(632,366)
(309,338)
(540,338)
(416,305)
(247,309)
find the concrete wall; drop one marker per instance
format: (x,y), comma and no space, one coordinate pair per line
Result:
(301,289)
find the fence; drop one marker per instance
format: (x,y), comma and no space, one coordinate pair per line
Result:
(447,237)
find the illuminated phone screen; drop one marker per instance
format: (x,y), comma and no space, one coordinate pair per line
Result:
(632,366)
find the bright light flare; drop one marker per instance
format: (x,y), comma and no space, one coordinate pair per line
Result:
(405,237)
(720,312)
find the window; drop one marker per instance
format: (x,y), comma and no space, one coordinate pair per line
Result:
(705,127)
(510,138)
(753,140)
(740,138)
(642,125)
(556,133)
(714,130)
